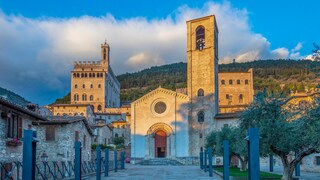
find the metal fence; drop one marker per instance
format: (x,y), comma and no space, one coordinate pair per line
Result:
(45,170)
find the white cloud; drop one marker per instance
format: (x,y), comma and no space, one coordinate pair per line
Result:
(39,53)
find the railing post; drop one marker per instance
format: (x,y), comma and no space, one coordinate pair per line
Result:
(226,160)
(115,161)
(201,159)
(106,162)
(77,161)
(271,163)
(29,154)
(205,160)
(98,163)
(210,161)
(297,169)
(253,146)
(122,160)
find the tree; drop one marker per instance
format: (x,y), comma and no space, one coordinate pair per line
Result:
(238,146)
(119,142)
(284,130)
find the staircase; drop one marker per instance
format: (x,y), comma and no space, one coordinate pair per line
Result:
(160,162)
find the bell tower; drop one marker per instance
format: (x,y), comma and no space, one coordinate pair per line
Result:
(105,52)
(202,79)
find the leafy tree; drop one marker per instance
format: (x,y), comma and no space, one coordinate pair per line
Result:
(284,131)
(119,142)
(238,145)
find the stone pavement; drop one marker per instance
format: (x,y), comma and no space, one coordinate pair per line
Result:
(140,172)
(304,175)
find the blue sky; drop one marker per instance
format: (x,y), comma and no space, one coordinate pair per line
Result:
(39,40)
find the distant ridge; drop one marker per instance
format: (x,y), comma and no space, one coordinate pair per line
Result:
(13,97)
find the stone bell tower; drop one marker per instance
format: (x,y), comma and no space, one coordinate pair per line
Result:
(202,54)
(105,54)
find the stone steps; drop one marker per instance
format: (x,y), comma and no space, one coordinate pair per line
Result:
(160,162)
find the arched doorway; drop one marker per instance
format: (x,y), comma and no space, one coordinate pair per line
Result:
(160,144)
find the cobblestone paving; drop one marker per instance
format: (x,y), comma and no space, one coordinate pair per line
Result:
(160,172)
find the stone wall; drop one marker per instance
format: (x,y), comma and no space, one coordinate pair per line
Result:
(62,148)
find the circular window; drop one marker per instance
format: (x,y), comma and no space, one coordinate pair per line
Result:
(160,107)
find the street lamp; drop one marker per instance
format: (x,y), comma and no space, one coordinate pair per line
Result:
(44,157)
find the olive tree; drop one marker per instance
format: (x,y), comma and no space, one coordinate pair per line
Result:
(284,131)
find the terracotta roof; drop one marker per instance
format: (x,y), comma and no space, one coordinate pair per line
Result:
(21,109)
(227,115)
(53,120)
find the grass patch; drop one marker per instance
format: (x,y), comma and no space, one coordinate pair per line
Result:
(235,172)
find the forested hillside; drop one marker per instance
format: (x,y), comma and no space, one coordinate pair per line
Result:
(273,75)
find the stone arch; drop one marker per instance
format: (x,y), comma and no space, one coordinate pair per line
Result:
(160,126)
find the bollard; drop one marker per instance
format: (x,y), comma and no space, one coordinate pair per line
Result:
(201,159)
(253,154)
(29,154)
(77,161)
(297,169)
(115,161)
(271,163)
(205,160)
(122,160)
(98,163)
(226,160)
(210,161)
(106,162)
(124,163)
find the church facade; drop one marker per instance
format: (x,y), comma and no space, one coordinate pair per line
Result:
(174,124)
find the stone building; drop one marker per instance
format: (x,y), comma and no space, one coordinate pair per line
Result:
(85,110)
(174,124)
(103,133)
(235,91)
(93,82)
(121,128)
(57,137)
(14,118)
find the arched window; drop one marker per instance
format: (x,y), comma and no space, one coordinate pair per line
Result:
(78,75)
(85,75)
(201,117)
(82,75)
(84,97)
(200,92)
(90,75)
(200,38)
(75,86)
(99,86)
(230,81)
(91,97)
(76,97)
(223,82)
(83,86)
(238,81)
(241,98)
(93,74)
(99,108)
(91,86)
(227,96)
(116,135)
(74,75)
(98,74)
(101,74)
(246,81)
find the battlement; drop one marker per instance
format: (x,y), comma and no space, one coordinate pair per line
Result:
(87,64)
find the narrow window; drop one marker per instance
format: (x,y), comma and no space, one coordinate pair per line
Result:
(227,96)
(99,86)
(230,81)
(200,38)
(246,81)
(78,75)
(84,97)
(50,133)
(83,86)
(223,82)
(93,74)
(200,92)
(238,81)
(91,86)
(116,135)
(90,75)
(91,97)
(75,86)
(82,75)
(240,98)
(85,75)
(99,108)
(201,117)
